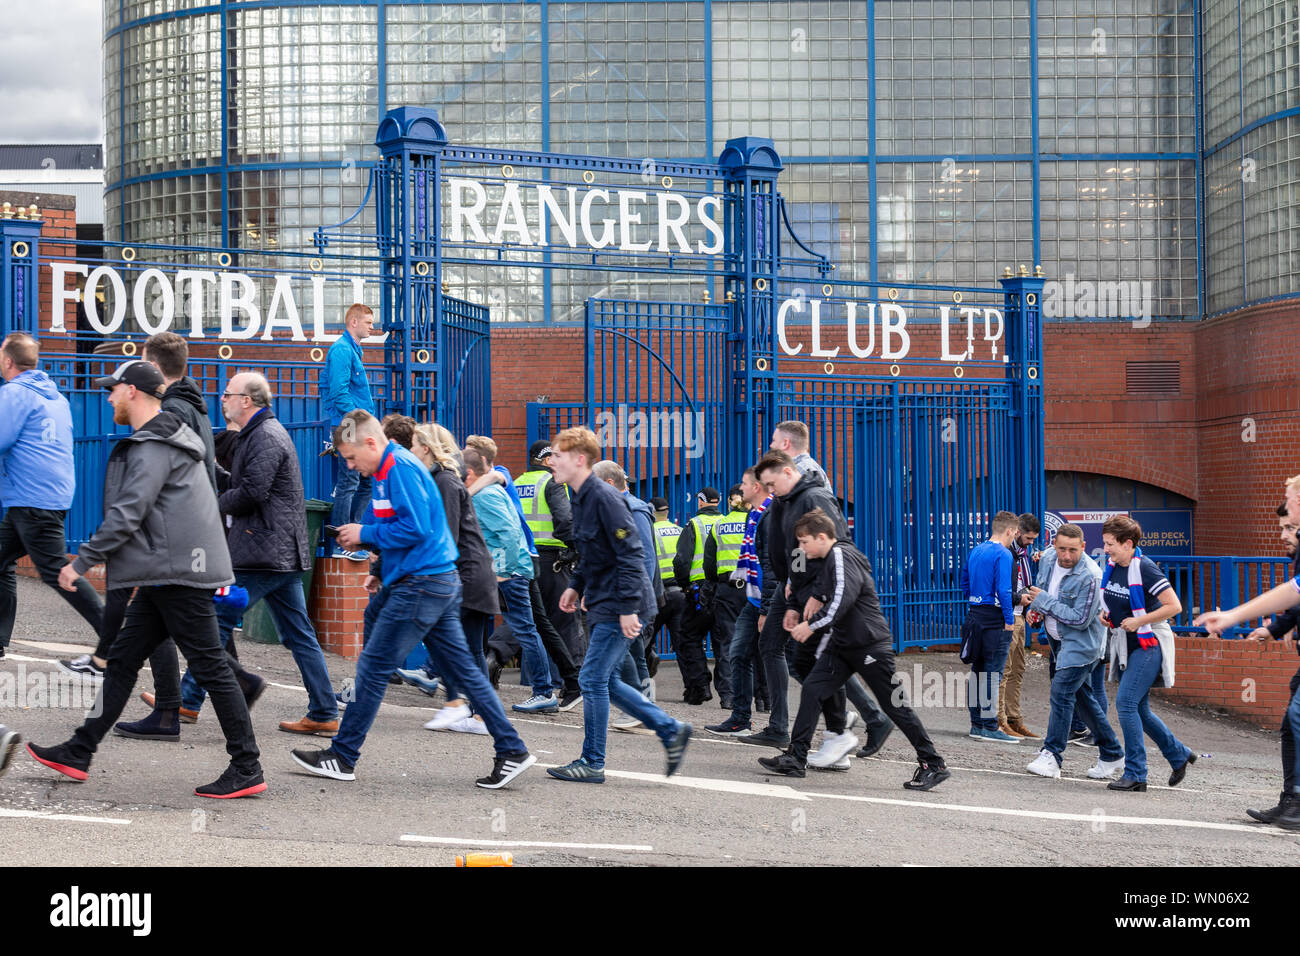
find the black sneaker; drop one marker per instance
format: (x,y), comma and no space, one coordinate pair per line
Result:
(1289,818)
(159,725)
(1083,738)
(676,748)
(61,758)
(9,741)
(324,763)
(505,769)
(875,741)
(651,660)
(83,666)
(570,700)
(762,706)
(256,686)
(783,764)
(233,783)
(2,651)
(927,777)
(731,728)
(495,666)
(767,738)
(1262,816)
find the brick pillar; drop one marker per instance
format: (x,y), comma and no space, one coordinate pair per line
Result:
(337,605)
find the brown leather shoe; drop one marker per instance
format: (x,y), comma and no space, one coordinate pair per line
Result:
(320,728)
(1006,729)
(1018,727)
(187,716)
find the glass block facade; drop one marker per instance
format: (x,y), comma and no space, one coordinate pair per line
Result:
(928,141)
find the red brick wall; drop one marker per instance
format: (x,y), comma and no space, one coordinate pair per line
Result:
(1248,678)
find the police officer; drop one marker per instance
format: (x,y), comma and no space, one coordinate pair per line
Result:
(697,613)
(721,555)
(670,615)
(550,518)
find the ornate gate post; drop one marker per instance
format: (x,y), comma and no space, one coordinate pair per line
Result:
(408,224)
(1022,309)
(752,233)
(20,241)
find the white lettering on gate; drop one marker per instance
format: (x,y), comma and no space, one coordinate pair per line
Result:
(895,339)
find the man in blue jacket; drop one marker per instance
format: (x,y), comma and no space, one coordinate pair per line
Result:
(610,581)
(986,633)
(1068,595)
(344,386)
(419,601)
(37,482)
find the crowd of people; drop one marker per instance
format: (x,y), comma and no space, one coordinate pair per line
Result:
(198,526)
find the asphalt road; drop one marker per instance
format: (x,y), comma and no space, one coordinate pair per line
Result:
(414,802)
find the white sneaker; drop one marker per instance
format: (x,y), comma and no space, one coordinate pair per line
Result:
(1105,769)
(83,666)
(447,716)
(840,765)
(1045,765)
(630,725)
(468,725)
(835,747)
(851,720)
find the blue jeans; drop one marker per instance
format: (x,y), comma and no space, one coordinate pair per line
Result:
(1291,738)
(351,494)
(282,591)
(412,610)
(600,684)
(986,678)
(633,670)
(1072,696)
(744,643)
(518,612)
(1135,717)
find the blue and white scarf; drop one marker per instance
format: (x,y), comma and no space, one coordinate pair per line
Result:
(748,567)
(1136,596)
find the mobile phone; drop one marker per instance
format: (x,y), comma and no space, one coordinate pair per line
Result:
(331,531)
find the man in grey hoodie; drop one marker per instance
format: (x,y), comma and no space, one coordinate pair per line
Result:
(37,481)
(162,535)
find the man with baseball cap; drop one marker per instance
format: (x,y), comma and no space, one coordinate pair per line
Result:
(549,516)
(37,481)
(161,535)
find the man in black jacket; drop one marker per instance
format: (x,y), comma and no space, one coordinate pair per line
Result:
(266,523)
(610,581)
(849,635)
(795,494)
(697,609)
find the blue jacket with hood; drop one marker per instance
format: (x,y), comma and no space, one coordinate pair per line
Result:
(36,469)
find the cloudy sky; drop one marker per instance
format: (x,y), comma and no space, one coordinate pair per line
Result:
(51,73)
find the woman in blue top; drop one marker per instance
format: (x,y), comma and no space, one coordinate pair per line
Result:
(1139,600)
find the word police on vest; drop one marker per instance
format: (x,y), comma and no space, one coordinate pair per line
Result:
(75,909)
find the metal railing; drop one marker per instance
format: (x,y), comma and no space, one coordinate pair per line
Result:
(1206,583)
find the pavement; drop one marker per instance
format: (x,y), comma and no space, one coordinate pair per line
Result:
(414,801)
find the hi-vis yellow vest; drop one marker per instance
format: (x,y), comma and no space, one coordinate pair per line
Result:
(666,535)
(703,525)
(531,486)
(729,533)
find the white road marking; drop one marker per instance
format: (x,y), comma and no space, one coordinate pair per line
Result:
(1052,815)
(67,817)
(1026,775)
(707,783)
(459,841)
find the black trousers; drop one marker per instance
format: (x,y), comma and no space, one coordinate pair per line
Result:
(875,665)
(38,533)
(727,605)
(556,647)
(164,661)
(188,614)
(553,584)
(697,622)
(670,615)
